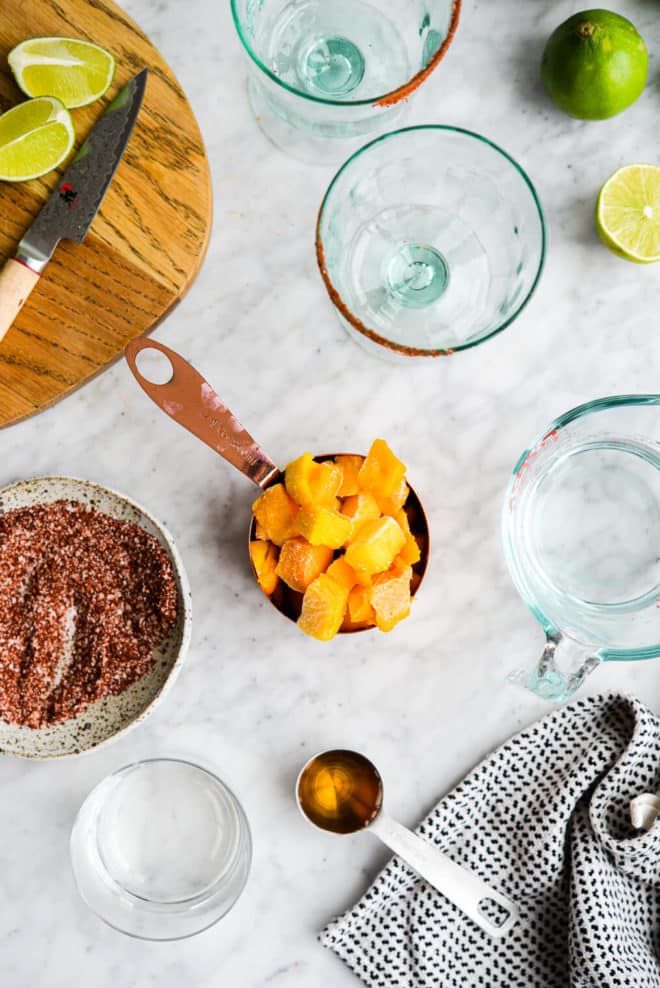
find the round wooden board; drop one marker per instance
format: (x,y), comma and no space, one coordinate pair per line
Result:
(146,244)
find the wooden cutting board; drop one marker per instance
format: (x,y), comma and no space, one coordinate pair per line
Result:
(146,244)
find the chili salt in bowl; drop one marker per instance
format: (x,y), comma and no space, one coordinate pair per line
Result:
(112,716)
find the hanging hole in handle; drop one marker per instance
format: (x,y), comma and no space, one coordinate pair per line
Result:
(494,913)
(154,366)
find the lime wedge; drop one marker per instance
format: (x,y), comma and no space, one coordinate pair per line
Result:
(76,72)
(35,137)
(628,213)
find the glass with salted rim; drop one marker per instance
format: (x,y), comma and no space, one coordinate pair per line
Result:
(430,240)
(581,532)
(326,75)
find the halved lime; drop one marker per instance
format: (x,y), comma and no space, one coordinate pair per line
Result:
(35,137)
(76,72)
(628,213)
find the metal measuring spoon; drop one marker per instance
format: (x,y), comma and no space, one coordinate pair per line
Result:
(191,401)
(342,792)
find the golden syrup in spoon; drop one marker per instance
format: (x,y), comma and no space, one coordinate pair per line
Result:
(340,791)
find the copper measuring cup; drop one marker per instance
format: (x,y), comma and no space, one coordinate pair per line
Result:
(191,401)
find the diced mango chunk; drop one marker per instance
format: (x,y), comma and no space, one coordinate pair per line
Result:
(360,610)
(350,466)
(359,508)
(344,574)
(390,505)
(313,484)
(323,608)
(411,552)
(375,546)
(390,597)
(381,473)
(260,532)
(276,514)
(320,526)
(301,562)
(264,559)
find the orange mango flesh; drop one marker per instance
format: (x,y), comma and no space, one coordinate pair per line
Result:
(353,503)
(264,559)
(321,526)
(276,514)
(301,562)
(381,473)
(375,546)
(323,609)
(350,468)
(390,597)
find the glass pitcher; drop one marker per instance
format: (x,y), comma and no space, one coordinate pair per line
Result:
(581,531)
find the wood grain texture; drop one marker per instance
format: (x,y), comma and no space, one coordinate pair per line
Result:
(146,244)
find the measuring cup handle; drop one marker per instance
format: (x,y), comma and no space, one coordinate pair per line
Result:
(561,670)
(191,401)
(462,887)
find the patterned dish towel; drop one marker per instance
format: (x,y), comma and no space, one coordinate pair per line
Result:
(546,820)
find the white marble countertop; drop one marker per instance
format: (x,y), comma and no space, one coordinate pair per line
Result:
(255,697)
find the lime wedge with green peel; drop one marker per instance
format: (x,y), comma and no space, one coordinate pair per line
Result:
(628,213)
(76,72)
(35,137)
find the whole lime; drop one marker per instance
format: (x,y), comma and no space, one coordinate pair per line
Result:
(594,65)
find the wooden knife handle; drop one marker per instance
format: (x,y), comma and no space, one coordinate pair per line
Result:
(16,282)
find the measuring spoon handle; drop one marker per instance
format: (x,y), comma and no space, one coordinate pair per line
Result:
(191,401)
(462,887)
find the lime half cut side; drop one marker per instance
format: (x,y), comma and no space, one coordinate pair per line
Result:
(35,137)
(75,72)
(628,213)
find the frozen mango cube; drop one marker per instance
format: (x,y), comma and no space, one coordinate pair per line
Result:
(411,553)
(264,559)
(375,545)
(312,484)
(360,508)
(321,526)
(276,514)
(390,505)
(360,610)
(301,562)
(390,597)
(381,473)
(350,467)
(323,608)
(344,574)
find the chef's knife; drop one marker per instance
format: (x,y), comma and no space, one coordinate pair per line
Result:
(71,209)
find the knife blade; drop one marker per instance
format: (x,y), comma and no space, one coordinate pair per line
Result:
(70,211)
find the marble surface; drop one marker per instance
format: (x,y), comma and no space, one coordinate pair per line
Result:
(255,697)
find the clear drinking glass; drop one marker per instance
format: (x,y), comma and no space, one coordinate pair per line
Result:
(429,240)
(581,530)
(161,849)
(326,73)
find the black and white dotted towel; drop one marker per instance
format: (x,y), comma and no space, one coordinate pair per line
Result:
(545,820)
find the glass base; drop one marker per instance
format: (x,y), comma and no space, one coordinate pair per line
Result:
(419,276)
(333,67)
(344,49)
(318,135)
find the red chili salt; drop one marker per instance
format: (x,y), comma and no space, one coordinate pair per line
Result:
(84,600)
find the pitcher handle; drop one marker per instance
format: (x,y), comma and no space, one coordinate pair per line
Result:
(561,670)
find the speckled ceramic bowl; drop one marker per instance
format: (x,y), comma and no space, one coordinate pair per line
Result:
(114,715)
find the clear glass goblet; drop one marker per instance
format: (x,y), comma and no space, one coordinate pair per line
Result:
(430,240)
(325,74)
